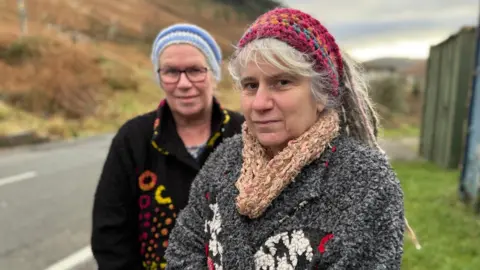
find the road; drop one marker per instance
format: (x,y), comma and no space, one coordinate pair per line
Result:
(46,195)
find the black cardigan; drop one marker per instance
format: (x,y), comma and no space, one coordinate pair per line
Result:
(144,183)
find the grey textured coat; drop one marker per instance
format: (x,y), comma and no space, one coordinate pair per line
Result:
(343,211)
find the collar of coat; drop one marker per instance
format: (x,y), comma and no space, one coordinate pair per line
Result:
(166,140)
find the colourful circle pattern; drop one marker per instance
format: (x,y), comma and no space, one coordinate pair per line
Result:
(156,219)
(147,180)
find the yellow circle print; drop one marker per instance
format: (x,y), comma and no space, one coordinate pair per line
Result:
(158,196)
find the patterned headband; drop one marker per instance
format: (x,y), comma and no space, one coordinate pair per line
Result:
(304,33)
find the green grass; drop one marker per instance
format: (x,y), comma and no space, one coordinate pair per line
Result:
(403,131)
(448,231)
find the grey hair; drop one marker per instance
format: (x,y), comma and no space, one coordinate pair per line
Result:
(359,119)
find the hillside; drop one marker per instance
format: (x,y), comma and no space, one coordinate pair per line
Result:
(398,64)
(84,67)
(128,21)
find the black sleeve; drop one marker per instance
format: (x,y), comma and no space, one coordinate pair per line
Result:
(114,238)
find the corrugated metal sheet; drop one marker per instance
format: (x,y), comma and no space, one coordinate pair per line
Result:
(449,75)
(470,182)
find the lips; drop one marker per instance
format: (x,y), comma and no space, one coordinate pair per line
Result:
(265,122)
(187,99)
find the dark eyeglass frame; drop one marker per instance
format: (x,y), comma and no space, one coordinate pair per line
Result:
(188,72)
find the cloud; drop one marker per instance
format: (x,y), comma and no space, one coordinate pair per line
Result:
(341,11)
(358,24)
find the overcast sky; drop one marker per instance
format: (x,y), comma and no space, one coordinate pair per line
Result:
(378,28)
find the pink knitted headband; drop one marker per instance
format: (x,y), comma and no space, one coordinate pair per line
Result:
(302,32)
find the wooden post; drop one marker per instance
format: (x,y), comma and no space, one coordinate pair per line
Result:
(22,14)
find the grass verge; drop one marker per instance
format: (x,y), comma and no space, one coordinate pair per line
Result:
(448,231)
(402,131)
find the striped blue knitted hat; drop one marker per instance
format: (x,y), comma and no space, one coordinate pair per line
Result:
(190,34)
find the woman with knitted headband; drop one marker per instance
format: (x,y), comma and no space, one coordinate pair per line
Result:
(306,185)
(154,157)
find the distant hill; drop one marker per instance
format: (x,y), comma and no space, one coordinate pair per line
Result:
(251,8)
(84,65)
(136,21)
(398,64)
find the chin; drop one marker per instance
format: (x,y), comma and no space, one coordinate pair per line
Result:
(270,140)
(192,109)
(189,111)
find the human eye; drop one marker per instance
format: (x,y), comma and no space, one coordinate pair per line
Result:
(194,70)
(282,83)
(249,86)
(169,71)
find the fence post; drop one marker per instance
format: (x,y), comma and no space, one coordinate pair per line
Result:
(470,177)
(22,14)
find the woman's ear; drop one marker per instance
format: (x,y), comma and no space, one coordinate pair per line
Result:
(321,104)
(214,83)
(320,107)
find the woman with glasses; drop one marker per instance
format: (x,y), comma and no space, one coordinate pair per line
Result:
(154,157)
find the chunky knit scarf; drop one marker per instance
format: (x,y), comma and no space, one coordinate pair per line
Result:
(262,178)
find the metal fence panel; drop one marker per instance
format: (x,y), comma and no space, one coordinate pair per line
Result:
(429,108)
(449,67)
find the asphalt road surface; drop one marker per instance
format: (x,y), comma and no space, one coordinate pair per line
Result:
(46,196)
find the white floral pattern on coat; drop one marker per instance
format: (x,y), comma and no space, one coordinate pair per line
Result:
(213,227)
(296,244)
(283,251)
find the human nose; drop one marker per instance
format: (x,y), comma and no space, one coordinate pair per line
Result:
(183,81)
(263,99)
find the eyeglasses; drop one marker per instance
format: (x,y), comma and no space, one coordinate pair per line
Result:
(172,75)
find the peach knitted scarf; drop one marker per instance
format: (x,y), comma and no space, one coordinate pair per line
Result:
(262,179)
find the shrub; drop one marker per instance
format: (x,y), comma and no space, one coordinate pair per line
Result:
(120,78)
(390,94)
(61,80)
(20,50)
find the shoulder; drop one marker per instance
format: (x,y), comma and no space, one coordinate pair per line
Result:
(129,145)
(358,169)
(227,157)
(136,129)
(236,118)
(228,152)
(359,156)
